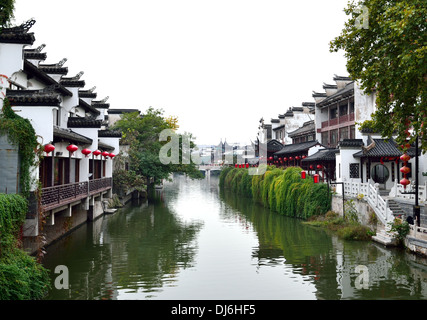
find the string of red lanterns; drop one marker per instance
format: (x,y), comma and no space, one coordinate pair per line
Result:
(405,170)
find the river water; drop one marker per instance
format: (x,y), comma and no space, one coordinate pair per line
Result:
(197,243)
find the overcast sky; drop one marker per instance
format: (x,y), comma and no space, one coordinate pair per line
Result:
(218,65)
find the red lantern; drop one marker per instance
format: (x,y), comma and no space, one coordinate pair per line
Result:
(86,152)
(96,153)
(303,174)
(404,182)
(319,166)
(304,157)
(296,158)
(316,178)
(49,148)
(405,170)
(285,159)
(405,157)
(111,155)
(105,154)
(311,167)
(290,158)
(72,148)
(247,165)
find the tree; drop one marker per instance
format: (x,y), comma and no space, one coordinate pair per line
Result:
(6,12)
(142,133)
(385,43)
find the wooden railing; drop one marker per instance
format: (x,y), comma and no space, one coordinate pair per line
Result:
(340,120)
(53,197)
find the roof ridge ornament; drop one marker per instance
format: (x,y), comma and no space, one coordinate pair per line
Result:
(62,62)
(40,47)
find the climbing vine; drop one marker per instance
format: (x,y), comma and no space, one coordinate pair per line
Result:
(20,132)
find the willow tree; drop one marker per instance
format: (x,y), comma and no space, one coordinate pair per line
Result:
(385,43)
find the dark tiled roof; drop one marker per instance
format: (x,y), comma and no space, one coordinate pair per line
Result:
(75,122)
(274,145)
(18,34)
(33,98)
(306,128)
(100,105)
(345,92)
(72,83)
(382,148)
(43,77)
(279,127)
(120,111)
(35,55)
(358,143)
(275,121)
(60,134)
(109,134)
(88,107)
(53,69)
(308,104)
(297,147)
(322,155)
(87,94)
(104,146)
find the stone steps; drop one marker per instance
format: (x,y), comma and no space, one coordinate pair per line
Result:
(395,208)
(384,238)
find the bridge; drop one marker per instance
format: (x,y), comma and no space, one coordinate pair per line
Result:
(210,168)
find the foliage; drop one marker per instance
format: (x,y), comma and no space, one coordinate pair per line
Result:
(20,132)
(142,133)
(6,12)
(350,211)
(279,190)
(401,228)
(388,57)
(345,229)
(13,209)
(125,181)
(21,277)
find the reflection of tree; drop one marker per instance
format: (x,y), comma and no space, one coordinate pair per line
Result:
(307,250)
(152,244)
(141,248)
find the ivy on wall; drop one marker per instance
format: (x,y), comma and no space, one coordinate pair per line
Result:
(20,132)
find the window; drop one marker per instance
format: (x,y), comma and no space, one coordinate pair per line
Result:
(333,113)
(334,138)
(343,109)
(343,133)
(351,106)
(354,170)
(325,138)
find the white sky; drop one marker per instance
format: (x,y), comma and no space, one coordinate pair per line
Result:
(218,65)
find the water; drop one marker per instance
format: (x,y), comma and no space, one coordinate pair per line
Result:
(196,243)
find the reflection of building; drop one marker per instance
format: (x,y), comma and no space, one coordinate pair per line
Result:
(76,173)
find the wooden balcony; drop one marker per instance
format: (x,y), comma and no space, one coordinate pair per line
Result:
(335,123)
(54,197)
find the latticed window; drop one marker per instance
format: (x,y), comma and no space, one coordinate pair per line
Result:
(354,170)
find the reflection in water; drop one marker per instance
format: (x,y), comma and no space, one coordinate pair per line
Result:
(199,243)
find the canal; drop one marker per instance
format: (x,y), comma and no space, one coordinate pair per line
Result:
(197,243)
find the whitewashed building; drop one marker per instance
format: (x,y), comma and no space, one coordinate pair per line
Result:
(66,116)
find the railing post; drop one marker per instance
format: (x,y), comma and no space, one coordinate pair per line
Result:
(377,190)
